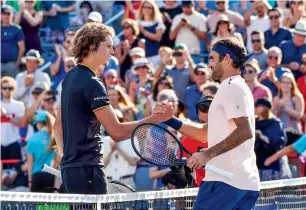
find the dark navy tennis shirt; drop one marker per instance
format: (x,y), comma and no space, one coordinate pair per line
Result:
(83,93)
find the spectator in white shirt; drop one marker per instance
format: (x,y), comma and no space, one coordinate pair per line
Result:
(260,21)
(11,112)
(27,79)
(189,28)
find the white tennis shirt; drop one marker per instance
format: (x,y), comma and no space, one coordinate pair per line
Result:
(233,100)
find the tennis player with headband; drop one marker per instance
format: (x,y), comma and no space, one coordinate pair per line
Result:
(231,134)
(84,107)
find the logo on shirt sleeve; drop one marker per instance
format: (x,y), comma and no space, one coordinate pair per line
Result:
(101,98)
(238,106)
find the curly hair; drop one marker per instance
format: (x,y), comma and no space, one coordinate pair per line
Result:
(88,38)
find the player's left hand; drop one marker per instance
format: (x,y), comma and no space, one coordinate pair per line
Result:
(198,160)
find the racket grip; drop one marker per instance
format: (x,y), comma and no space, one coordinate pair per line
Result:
(51,170)
(218,171)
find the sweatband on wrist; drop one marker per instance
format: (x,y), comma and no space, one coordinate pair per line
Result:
(174,123)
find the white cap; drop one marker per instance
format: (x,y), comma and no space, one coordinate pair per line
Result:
(95,16)
(137,51)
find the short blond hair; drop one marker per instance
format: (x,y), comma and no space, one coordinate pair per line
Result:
(10,80)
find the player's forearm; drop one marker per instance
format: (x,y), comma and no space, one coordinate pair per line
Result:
(236,138)
(285,151)
(195,130)
(58,133)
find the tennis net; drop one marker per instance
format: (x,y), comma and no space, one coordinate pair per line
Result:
(281,194)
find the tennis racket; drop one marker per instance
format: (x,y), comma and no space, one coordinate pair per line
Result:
(113,187)
(158,146)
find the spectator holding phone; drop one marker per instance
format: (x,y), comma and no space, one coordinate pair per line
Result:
(189,28)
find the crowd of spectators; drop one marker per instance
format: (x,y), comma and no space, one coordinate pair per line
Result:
(161,52)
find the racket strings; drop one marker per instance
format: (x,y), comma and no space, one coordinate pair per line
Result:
(156,146)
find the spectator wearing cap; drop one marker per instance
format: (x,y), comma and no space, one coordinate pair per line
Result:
(189,27)
(250,76)
(169,11)
(151,29)
(30,22)
(40,151)
(113,63)
(269,139)
(222,8)
(210,88)
(269,77)
(260,21)
(12,43)
(57,68)
(259,51)
(11,112)
(111,77)
(57,16)
(224,28)
(295,48)
(301,83)
(129,40)
(194,93)
(130,76)
(94,17)
(181,73)
(288,105)
(276,33)
(141,88)
(27,79)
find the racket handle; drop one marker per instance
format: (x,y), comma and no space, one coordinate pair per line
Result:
(51,170)
(218,171)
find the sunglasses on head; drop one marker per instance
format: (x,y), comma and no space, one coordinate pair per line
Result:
(272,57)
(220,2)
(199,73)
(250,71)
(203,107)
(256,40)
(52,99)
(140,67)
(7,88)
(274,17)
(126,26)
(165,83)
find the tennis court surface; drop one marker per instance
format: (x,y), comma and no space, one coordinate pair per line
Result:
(274,195)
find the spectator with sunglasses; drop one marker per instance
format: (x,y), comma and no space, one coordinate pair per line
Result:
(270,76)
(11,112)
(140,89)
(202,75)
(260,21)
(181,73)
(295,48)
(259,51)
(276,33)
(250,77)
(297,12)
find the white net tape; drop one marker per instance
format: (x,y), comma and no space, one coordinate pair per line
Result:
(281,194)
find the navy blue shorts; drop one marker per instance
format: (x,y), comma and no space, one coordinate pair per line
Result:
(219,196)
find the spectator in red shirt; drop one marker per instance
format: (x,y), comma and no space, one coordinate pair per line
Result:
(250,76)
(193,145)
(301,82)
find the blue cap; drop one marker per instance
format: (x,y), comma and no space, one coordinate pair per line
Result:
(40,116)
